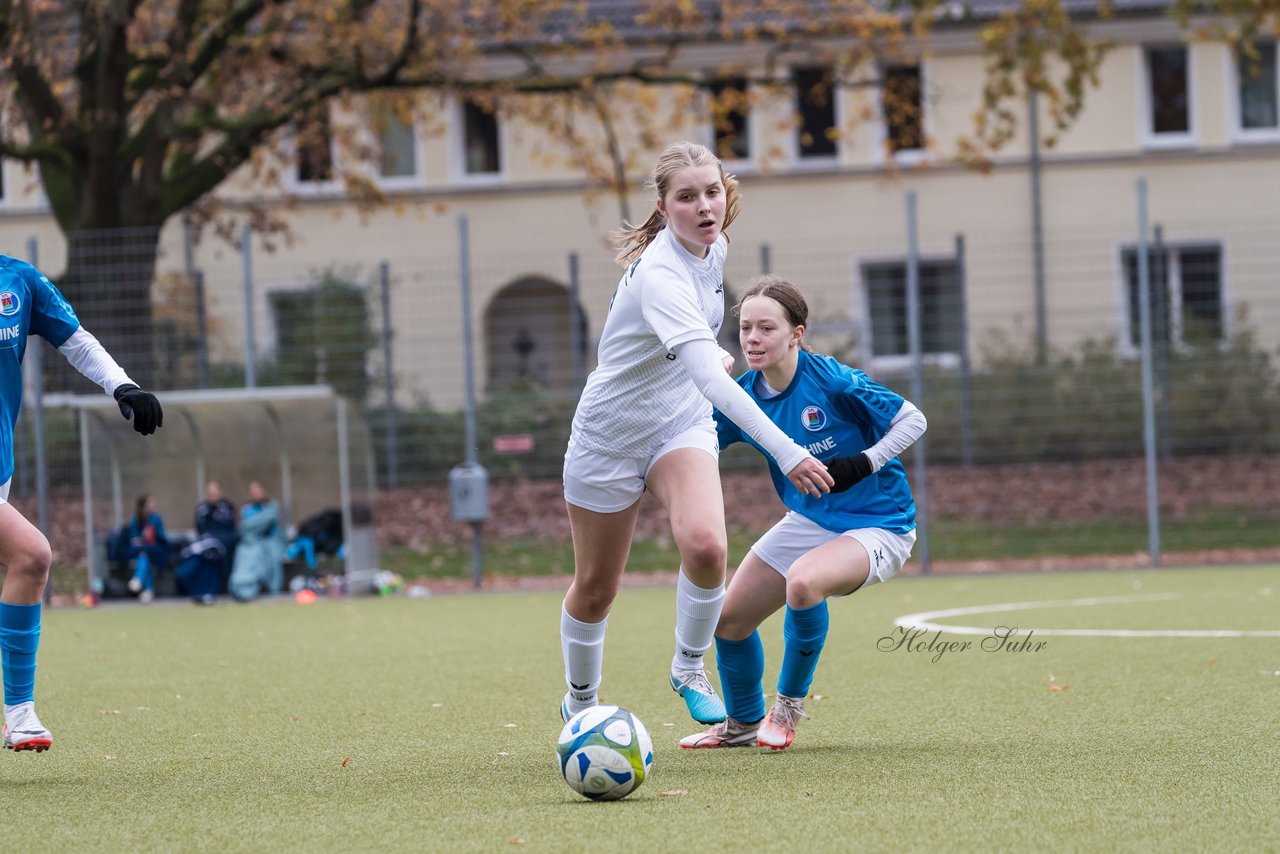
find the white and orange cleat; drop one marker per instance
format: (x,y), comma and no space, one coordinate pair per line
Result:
(727,733)
(778,729)
(23,730)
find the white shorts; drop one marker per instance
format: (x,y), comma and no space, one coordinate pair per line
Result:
(795,536)
(4,491)
(609,484)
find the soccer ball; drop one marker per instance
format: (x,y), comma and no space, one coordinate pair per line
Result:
(605,753)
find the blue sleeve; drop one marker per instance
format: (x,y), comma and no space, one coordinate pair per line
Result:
(726,431)
(866,401)
(52,317)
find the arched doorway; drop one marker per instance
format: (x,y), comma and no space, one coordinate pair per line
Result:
(534,334)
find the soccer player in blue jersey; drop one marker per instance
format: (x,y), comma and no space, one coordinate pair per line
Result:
(30,304)
(860,534)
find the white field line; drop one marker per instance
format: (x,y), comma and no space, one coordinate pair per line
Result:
(924,620)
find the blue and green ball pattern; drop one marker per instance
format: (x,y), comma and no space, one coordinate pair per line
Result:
(605,753)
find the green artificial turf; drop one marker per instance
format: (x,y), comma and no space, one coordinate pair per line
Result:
(402,724)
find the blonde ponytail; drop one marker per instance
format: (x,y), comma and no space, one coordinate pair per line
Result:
(631,240)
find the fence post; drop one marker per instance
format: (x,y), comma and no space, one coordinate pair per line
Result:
(920,488)
(389,410)
(250,345)
(196,278)
(1162,329)
(202,332)
(766,259)
(1037,228)
(1148,386)
(966,395)
(464,270)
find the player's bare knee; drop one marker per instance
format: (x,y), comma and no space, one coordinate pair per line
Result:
(31,559)
(703,548)
(802,591)
(734,629)
(591,604)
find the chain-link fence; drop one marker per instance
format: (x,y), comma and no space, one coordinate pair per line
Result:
(1050,426)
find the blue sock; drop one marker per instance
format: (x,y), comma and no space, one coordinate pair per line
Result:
(19,637)
(741,666)
(142,572)
(804,631)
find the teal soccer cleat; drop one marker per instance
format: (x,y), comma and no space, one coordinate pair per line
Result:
(566,708)
(704,706)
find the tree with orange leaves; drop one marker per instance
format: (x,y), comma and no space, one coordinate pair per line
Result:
(136,111)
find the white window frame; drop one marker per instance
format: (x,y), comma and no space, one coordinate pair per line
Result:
(1240,134)
(911,156)
(458,173)
(417,180)
(947,360)
(1173,285)
(1180,139)
(826,161)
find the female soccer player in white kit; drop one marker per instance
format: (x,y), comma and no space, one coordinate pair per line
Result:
(644,422)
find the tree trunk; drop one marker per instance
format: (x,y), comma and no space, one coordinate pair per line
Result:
(108,282)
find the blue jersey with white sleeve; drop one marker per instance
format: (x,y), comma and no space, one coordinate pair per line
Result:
(834,411)
(29,304)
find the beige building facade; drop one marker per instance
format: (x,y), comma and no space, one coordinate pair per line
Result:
(1194,121)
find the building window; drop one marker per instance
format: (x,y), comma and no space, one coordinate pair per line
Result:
(816,107)
(902,106)
(314,146)
(1256,88)
(730,119)
(397,145)
(940,301)
(1168,92)
(480,144)
(1185,293)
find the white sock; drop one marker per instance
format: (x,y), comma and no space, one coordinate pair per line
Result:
(697,612)
(583,647)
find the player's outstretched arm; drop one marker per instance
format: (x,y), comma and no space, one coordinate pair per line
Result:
(904,431)
(141,406)
(87,355)
(700,359)
(907,427)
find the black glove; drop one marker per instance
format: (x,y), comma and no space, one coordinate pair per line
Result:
(141,406)
(849,470)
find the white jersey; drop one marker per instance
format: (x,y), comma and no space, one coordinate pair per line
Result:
(638,396)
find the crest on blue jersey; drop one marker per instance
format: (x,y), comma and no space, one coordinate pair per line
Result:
(813,418)
(9,304)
